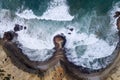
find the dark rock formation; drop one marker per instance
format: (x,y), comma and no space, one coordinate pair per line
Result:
(118,23)
(19,27)
(71,29)
(25,27)
(10,35)
(117,14)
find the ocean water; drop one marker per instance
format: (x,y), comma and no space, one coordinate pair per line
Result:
(94,32)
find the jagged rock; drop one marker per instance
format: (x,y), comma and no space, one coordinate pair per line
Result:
(9,35)
(117,14)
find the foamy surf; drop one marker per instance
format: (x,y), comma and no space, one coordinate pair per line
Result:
(36,49)
(83,46)
(57,10)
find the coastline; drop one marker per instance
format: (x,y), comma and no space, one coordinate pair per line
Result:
(23,63)
(10,71)
(88,27)
(19,74)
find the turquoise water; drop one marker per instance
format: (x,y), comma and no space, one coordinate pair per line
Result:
(94,35)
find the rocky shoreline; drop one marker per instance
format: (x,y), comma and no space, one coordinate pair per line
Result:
(20,60)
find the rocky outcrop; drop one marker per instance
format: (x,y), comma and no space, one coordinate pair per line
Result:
(8,71)
(11,72)
(59,41)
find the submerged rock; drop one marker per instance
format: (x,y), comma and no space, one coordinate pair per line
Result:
(117,14)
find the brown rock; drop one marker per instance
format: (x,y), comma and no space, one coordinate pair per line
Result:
(25,27)
(59,41)
(9,35)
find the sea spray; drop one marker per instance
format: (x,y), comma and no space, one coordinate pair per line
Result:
(57,10)
(93,32)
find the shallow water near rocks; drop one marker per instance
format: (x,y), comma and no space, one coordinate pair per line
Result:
(94,33)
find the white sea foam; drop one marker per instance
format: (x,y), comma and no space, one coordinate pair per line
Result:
(32,42)
(36,49)
(27,14)
(57,10)
(96,48)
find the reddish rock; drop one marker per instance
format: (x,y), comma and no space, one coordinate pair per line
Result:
(59,41)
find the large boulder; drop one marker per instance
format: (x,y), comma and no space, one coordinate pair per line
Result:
(9,35)
(59,41)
